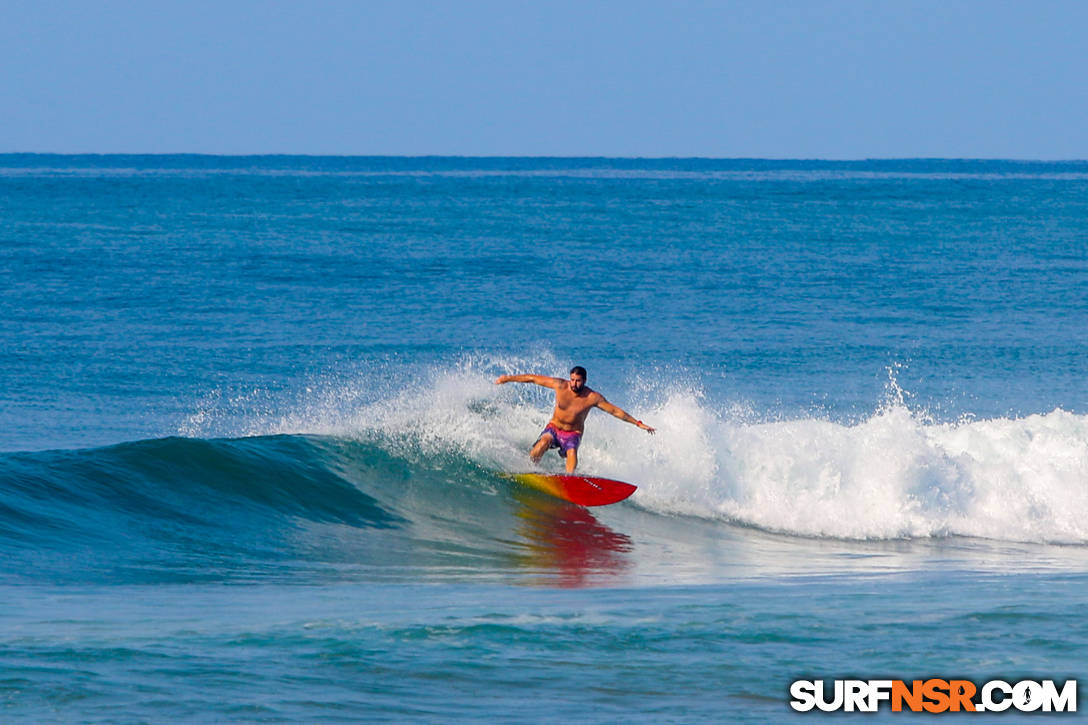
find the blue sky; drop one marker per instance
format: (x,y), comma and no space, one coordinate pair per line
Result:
(830,79)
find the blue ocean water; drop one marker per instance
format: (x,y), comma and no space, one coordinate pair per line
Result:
(250,444)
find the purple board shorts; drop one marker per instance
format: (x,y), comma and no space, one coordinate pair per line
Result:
(564,440)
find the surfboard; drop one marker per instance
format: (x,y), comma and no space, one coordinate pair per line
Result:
(582,490)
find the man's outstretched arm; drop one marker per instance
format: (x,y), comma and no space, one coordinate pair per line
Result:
(544,380)
(624,415)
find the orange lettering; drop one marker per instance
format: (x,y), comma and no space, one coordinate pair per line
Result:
(912,695)
(961,693)
(937,691)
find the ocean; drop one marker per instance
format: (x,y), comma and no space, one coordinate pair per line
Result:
(252,452)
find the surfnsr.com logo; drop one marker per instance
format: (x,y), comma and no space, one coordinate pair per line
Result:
(933,695)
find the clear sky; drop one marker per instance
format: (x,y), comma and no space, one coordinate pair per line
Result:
(835,79)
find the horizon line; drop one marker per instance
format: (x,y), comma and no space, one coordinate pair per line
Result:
(545,157)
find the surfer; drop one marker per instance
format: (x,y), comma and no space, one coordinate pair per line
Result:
(573,401)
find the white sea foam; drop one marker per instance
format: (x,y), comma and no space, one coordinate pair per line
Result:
(892,475)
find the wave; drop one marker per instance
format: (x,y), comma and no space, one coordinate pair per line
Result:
(413,480)
(893,474)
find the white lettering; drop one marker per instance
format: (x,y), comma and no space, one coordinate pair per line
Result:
(1064,701)
(991,705)
(879,690)
(1027,696)
(804,695)
(855,696)
(833,705)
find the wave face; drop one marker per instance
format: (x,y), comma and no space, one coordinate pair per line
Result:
(412,483)
(173,507)
(283,507)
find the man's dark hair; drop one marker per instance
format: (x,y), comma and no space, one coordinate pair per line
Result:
(579,370)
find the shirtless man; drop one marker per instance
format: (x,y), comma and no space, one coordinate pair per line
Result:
(573,401)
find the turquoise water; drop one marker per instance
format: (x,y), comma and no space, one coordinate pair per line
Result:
(250,447)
